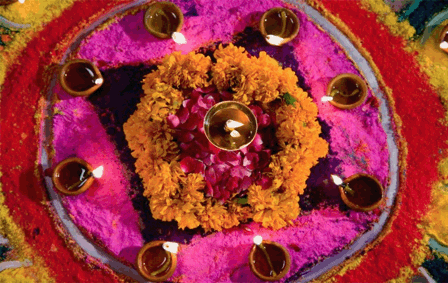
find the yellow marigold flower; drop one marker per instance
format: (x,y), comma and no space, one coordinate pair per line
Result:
(165,209)
(185,71)
(216,217)
(192,187)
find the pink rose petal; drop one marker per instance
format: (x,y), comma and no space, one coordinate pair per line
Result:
(173,121)
(240,172)
(183,114)
(191,165)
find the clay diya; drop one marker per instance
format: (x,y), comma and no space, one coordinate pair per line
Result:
(163,20)
(74,176)
(230,125)
(361,192)
(279,26)
(157,260)
(8,2)
(444,39)
(80,77)
(347,91)
(268,260)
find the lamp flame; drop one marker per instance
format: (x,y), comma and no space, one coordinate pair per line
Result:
(338,181)
(274,40)
(21,1)
(258,240)
(171,247)
(235,134)
(326,98)
(99,81)
(179,38)
(98,172)
(231,124)
(444,45)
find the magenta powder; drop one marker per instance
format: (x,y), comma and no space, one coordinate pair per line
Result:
(357,143)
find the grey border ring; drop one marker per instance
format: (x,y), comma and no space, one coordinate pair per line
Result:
(317,270)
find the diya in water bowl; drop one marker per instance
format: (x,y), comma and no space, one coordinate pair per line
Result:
(279,26)
(157,260)
(163,20)
(347,91)
(269,260)
(361,192)
(80,77)
(74,176)
(230,125)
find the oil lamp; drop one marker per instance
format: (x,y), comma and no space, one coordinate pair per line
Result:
(74,175)
(268,260)
(165,20)
(230,125)
(157,260)
(347,91)
(8,2)
(80,77)
(279,26)
(444,39)
(361,192)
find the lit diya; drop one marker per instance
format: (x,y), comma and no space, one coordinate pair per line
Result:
(80,77)
(165,20)
(268,260)
(8,2)
(230,125)
(360,192)
(73,176)
(157,260)
(444,39)
(346,91)
(279,26)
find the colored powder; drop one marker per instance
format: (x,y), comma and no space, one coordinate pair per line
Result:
(415,194)
(105,210)
(358,146)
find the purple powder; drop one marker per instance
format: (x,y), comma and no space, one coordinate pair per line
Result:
(357,144)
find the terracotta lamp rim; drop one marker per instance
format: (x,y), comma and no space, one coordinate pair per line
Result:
(290,14)
(141,269)
(442,35)
(272,278)
(174,8)
(83,93)
(354,77)
(355,206)
(61,165)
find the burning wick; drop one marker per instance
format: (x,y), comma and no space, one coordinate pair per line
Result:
(21,1)
(179,38)
(97,173)
(444,45)
(230,127)
(99,81)
(169,247)
(326,98)
(338,181)
(274,40)
(258,240)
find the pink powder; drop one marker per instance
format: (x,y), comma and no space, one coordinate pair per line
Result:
(356,137)
(105,209)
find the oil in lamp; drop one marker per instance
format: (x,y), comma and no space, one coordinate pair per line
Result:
(74,175)
(346,91)
(444,39)
(361,192)
(268,260)
(157,260)
(165,20)
(279,26)
(230,125)
(80,77)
